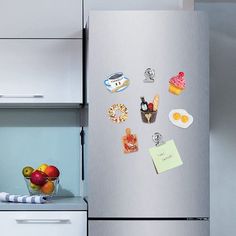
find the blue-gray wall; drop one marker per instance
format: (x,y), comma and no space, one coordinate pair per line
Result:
(35,136)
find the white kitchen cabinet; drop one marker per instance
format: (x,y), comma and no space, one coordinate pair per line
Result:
(40,72)
(41,19)
(53,223)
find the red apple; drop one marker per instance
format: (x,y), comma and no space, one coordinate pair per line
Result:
(38,178)
(150,106)
(52,172)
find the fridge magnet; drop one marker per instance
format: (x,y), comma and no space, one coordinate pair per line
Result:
(129,142)
(116,82)
(149,110)
(149,75)
(165,155)
(118,113)
(177,84)
(180,118)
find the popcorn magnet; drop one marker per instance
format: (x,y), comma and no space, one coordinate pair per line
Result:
(129,142)
(118,113)
(177,84)
(149,110)
(116,82)
(149,75)
(180,118)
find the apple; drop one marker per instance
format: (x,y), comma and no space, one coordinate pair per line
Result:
(52,172)
(43,167)
(150,106)
(38,178)
(27,171)
(34,187)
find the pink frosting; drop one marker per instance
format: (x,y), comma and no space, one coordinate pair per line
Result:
(178,80)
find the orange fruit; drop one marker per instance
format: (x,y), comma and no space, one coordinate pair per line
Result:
(48,188)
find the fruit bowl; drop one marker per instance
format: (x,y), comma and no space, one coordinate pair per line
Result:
(49,188)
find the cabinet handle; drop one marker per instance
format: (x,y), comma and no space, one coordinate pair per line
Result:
(43,221)
(22,96)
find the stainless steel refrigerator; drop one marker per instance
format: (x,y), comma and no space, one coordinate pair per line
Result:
(127,193)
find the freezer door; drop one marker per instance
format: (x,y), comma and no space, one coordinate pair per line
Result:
(127,185)
(149,228)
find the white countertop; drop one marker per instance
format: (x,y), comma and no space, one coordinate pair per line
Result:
(56,204)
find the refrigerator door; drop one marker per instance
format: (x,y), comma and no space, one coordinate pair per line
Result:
(150,228)
(127,185)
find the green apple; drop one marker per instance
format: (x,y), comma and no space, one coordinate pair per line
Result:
(34,187)
(43,167)
(27,171)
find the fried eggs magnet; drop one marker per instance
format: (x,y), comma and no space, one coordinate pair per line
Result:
(180,118)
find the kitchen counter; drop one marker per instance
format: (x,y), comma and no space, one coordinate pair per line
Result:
(56,204)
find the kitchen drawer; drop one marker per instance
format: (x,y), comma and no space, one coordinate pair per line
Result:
(44,223)
(41,71)
(41,19)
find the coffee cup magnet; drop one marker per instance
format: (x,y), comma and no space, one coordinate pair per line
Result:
(149,75)
(116,82)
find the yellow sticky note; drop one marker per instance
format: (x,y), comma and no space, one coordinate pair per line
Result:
(165,156)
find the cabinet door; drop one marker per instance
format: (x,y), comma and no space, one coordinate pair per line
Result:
(44,223)
(41,19)
(41,71)
(150,228)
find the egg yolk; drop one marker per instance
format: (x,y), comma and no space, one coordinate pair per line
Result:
(184,119)
(176,116)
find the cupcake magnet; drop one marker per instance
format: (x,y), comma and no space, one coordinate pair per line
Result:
(149,110)
(177,84)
